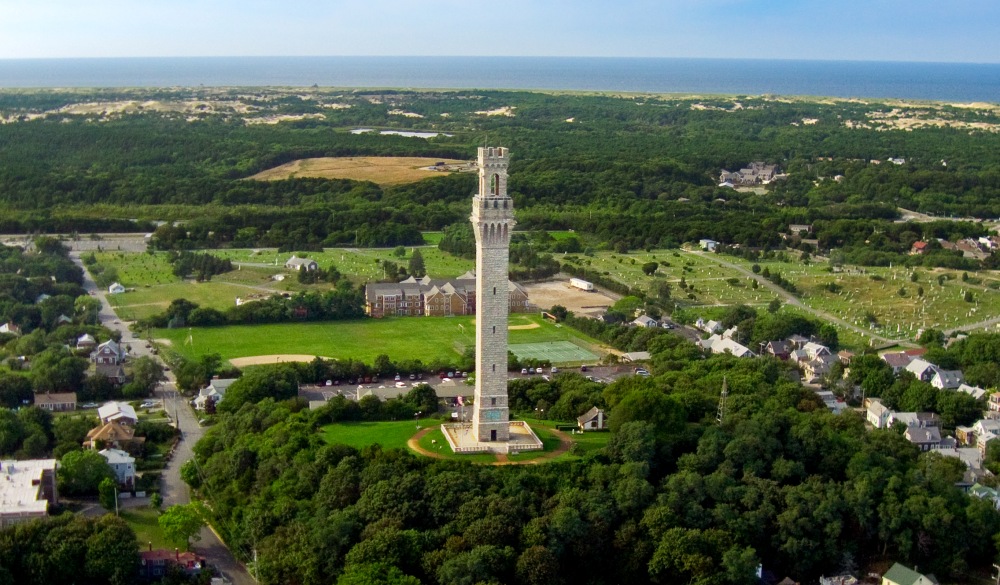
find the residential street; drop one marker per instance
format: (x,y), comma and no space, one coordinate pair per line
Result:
(173,489)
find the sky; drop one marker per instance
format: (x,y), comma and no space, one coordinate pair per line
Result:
(869,30)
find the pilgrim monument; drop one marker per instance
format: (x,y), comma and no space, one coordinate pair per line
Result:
(492,221)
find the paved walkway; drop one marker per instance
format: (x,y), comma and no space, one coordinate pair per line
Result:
(565,444)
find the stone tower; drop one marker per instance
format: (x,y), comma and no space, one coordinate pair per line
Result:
(493,221)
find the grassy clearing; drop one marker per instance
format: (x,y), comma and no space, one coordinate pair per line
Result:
(390,435)
(144,302)
(139,270)
(147,529)
(432,238)
(383,170)
(424,338)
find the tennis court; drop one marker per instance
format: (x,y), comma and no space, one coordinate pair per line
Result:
(556,352)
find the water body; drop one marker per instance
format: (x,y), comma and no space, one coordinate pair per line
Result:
(405,133)
(934,81)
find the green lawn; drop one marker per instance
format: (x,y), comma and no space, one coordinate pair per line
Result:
(144,302)
(390,435)
(135,270)
(401,338)
(144,522)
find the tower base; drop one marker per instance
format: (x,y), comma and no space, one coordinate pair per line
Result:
(462,439)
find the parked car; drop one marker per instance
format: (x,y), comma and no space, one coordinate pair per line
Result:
(583,368)
(398,378)
(524,370)
(413,376)
(89,405)
(554,370)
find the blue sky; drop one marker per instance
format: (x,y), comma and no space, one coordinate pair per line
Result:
(881,30)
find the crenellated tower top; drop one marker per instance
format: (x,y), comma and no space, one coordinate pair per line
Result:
(492,208)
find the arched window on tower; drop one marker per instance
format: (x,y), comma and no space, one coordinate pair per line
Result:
(495,184)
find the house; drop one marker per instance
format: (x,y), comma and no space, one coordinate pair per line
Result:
(833,404)
(116,288)
(816,350)
(898,361)
(646,321)
(818,367)
(27,489)
(109,352)
(215,391)
(708,326)
(122,464)
(757,173)
(985,430)
(592,420)
(799,229)
(994,403)
(900,575)
(922,369)
(120,412)
(975,392)
(718,344)
(985,493)
(947,379)
(57,402)
(85,341)
(153,564)
(63,320)
(113,434)
(707,244)
(636,356)
(845,357)
(296,263)
(926,438)
(918,248)
(730,333)
(10,327)
(914,419)
(839,580)
(779,349)
(877,414)
(115,373)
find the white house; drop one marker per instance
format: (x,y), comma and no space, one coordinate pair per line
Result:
(973,391)
(122,464)
(296,263)
(592,420)
(708,326)
(215,391)
(11,328)
(116,288)
(922,369)
(718,344)
(707,244)
(85,341)
(877,414)
(120,412)
(109,353)
(645,321)
(947,379)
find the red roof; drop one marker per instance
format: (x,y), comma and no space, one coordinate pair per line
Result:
(919,245)
(916,352)
(187,559)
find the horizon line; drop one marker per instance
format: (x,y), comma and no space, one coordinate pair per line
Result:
(596,57)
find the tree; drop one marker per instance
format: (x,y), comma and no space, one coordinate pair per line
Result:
(774,306)
(182,523)
(107,493)
(649,268)
(112,553)
(15,389)
(81,472)
(147,373)
(156,500)
(57,370)
(968,296)
(828,336)
(416,265)
(399,251)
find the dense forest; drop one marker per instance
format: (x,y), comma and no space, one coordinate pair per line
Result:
(674,497)
(630,172)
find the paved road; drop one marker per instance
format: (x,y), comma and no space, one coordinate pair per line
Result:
(172,487)
(795,302)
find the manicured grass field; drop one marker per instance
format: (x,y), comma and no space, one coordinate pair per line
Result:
(401,338)
(147,529)
(390,435)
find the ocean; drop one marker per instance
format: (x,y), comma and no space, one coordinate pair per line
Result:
(957,82)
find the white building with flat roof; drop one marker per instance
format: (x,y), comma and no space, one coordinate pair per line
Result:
(26,490)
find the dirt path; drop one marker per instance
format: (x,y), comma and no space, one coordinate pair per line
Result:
(565,444)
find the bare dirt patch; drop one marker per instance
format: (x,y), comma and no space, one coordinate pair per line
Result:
(259,360)
(383,170)
(582,303)
(523,327)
